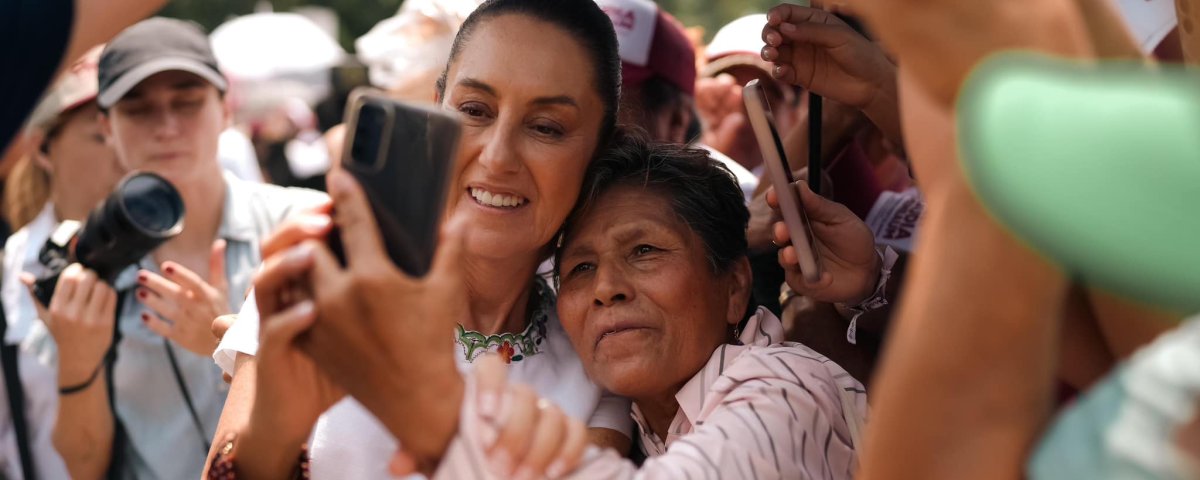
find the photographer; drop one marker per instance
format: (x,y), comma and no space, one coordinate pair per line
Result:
(161,98)
(69,170)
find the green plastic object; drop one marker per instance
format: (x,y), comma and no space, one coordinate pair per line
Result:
(1095,165)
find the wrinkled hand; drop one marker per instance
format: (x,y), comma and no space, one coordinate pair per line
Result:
(816,50)
(379,331)
(80,317)
(525,437)
(183,305)
(849,262)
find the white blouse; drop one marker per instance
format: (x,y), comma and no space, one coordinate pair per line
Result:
(349,442)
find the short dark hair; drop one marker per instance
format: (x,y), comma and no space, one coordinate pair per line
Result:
(702,191)
(586,23)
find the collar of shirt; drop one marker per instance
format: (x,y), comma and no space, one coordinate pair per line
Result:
(762,329)
(237,223)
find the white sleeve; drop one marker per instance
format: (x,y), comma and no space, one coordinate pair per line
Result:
(613,413)
(242,336)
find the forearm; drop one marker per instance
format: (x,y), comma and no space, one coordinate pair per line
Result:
(942,40)
(422,412)
(83,433)
(968,376)
(884,110)
(97,21)
(235,416)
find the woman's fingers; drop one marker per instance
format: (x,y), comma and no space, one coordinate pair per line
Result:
(356,222)
(548,433)
(278,273)
(402,464)
(491,378)
(159,284)
(574,444)
(782,236)
(157,325)
(283,328)
(221,324)
(516,429)
(167,308)
(303,226)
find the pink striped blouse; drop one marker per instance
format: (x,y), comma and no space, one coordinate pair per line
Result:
(764,409)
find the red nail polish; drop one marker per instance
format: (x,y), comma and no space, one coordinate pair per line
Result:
(169,269)
(142,278)
(142,294)
(145,318)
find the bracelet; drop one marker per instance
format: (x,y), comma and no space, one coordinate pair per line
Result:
(878,298)
(224,466)
(82,386)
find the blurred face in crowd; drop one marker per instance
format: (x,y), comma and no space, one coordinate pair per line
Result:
(169,124)
(523,89)
(638,296)
(82,165)
(741,144)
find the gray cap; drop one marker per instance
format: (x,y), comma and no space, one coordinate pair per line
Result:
(153,46)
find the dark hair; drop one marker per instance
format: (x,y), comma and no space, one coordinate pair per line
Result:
(583,19)
(702,191)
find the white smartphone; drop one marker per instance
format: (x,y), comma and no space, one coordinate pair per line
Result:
(781,178)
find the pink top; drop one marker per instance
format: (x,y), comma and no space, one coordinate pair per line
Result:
(765,409)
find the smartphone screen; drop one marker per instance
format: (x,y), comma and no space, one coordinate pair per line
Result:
(403,156)
(759,113)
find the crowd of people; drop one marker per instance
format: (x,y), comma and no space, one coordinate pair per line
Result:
(635,307)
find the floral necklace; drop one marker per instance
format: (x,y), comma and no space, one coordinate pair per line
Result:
(512,347)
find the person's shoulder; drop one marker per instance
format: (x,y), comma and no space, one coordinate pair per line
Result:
(789,362)
(273,201)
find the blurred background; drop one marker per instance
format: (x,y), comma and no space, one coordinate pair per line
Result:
(351,19)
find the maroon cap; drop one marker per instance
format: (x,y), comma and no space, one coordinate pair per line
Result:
(652,43)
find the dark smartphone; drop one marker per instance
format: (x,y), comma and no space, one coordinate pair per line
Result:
(790,204)
(403,156)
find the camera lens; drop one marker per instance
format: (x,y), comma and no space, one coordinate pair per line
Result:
(368,134)
(151,204)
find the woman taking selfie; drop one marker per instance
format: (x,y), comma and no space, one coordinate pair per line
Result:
(654,285)
(535,84)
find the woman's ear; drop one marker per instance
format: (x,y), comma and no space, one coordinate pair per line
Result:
(36,138)
(740,280)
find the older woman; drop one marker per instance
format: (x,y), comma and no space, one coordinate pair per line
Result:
(654,286)
(536,84)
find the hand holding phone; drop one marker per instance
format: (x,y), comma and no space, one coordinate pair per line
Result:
(402,155)
(790,205)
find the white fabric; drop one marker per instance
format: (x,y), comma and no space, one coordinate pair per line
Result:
(634,21)
(741,36)
(236,154)
(348,442)
(746,179)
(1150,21)
(894,217)
(39,380)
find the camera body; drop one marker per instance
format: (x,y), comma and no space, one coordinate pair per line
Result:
(143,212)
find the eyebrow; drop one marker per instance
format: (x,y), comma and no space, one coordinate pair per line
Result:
(476,84)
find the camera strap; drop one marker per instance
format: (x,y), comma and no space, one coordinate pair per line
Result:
(187,397)
(119,437)
(16,400)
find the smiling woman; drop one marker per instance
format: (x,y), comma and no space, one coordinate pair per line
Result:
(535,84)
(654,284)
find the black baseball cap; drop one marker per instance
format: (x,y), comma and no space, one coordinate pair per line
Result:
(153,46)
